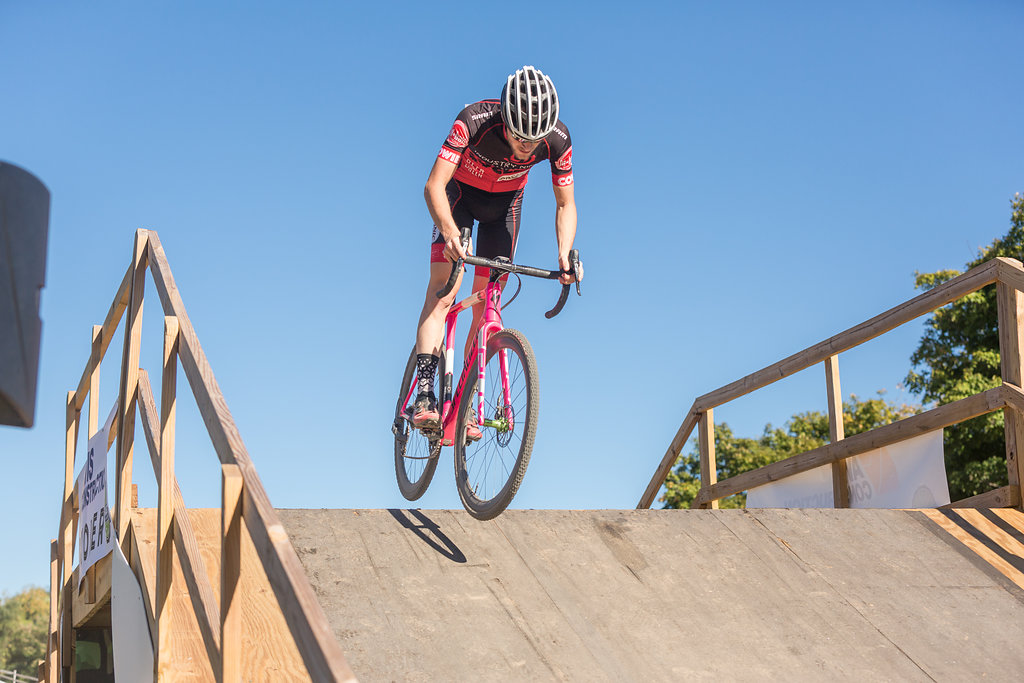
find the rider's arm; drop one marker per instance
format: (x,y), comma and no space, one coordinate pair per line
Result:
(440,210)
(565,227)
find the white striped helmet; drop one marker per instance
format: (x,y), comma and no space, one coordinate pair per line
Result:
(529,104)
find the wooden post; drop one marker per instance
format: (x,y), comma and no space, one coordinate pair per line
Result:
(94,421)
(708,466)
(94,381)
(129,388)
(230,571)
(53,638)
(165,504)
(67,529)
(1010,303)
(836,432)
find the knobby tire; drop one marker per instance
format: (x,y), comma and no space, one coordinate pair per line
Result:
(413,473)
(488,472)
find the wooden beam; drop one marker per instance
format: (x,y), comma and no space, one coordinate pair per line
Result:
(708,464)
(943,416)
(90,586)
(836,432)
(94,381)
(67,529)
(165,504)
(312,632)
(1004,497)
(1013,396)
(1010,271)
(1010,304)
(204,601)
(53,635)
(128,393)
(669,461)
(971,281)
(83,610)
(230,573)
(950,522)
(110,324)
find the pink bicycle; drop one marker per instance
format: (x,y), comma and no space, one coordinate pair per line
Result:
(488,472)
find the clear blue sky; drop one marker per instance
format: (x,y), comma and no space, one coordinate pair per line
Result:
(751,178)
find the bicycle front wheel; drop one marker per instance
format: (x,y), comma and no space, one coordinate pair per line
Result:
(416,452)
(488,472)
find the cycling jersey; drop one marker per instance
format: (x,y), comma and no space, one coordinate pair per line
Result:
(484,159)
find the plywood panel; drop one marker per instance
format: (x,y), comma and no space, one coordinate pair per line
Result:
(269,651)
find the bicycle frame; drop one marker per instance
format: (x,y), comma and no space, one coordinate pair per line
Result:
(490,323)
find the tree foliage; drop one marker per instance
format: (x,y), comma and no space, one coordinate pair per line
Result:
(958,356)
(24,619)
(804,431)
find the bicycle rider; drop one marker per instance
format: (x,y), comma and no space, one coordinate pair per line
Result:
(480,175)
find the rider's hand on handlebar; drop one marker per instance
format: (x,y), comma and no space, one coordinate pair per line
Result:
(566,278)
(453,248)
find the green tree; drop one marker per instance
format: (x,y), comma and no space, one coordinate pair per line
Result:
(958,356)
(24,620)
(803,431)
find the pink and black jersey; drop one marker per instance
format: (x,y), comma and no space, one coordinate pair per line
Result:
(484,160)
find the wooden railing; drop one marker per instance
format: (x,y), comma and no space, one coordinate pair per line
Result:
(1006,274)
(243,496)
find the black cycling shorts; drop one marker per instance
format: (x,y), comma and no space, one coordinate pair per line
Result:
(498,214)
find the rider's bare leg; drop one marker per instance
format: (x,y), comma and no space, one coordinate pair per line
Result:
(430,330)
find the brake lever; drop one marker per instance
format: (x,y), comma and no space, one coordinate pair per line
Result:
(577,268)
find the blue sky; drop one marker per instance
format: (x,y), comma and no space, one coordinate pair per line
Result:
(751,178)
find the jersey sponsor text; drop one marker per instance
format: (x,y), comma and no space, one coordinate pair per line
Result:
(449,155)
(459,135)
(564,162)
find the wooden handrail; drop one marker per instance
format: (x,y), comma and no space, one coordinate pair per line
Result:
(669,459)
(243,493)
(1008,272)
(305,617)
(939,296)
(887,435)
(204,601)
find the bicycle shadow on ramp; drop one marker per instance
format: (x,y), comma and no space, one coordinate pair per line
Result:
(429,532)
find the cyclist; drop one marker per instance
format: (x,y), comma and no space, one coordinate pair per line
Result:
(479,175)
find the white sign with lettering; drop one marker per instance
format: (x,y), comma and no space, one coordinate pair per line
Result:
(96,536)
(909,474)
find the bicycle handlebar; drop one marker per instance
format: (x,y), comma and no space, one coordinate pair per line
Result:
(508,267)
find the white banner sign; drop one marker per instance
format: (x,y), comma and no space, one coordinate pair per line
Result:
(95,535)
(909,474)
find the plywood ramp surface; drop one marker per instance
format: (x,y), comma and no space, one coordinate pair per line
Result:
(658,596)
(268,650)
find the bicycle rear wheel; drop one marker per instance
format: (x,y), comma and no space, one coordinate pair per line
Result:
(416,452)
(488,472)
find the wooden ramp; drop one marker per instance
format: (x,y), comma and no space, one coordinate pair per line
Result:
(669,595)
